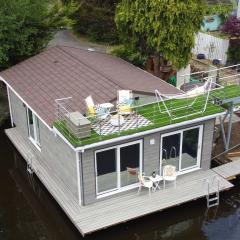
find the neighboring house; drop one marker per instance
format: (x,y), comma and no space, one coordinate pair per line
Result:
(209,41)
(96,167)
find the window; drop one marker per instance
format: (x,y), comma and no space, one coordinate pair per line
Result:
(33,128)
(182,149)
(117,167)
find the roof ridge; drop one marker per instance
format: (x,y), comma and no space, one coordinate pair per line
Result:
(97,71)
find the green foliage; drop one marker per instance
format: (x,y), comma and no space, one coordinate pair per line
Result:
(25,28)
(234,52)
(130,55)
(95,19)
(164,27)
(222,10)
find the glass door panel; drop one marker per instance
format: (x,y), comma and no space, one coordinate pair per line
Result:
(190,148)
(129,164)
(171,150)
(106,166)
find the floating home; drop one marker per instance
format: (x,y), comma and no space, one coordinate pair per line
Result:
(90,163)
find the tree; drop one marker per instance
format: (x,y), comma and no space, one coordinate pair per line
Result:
(162,28)
(95,19)
(25,28)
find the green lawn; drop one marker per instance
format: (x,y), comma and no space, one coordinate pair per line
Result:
(153,114)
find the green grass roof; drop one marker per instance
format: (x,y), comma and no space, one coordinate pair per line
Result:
(152,113)
(228,92)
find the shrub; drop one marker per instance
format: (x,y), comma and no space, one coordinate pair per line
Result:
(232,26)
(130,55)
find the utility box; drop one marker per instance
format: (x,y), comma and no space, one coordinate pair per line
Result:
(78,125)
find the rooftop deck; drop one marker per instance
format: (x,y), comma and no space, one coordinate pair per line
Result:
(146,117)
(119,209)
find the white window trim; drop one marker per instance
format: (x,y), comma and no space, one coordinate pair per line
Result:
(34,142)
(118,189)
(192,168)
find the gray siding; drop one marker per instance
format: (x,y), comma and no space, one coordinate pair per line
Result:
(54,151)
(207,144)
(151,156)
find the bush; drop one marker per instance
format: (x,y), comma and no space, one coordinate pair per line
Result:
(130,55)
(232,26)
(234,52)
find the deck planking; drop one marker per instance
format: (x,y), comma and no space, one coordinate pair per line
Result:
(228,170)
(118,209)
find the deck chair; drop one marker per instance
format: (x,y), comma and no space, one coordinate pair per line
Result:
(191,97)
(169,174)
(144,181)
(124,102)
(96,110)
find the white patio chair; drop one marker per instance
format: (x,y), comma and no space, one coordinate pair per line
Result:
(98,111)
(144,181)
(124,102)
(169,174)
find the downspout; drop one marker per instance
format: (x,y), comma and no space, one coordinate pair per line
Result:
(79,177)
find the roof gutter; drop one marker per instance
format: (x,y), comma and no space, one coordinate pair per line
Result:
(139,134)
(3,80)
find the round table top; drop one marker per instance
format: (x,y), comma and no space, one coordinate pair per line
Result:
(117,120)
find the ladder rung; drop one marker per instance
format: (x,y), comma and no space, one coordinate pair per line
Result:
(212,205)
(213,199)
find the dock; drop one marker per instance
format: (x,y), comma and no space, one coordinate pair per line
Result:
(228,170)
(128,206)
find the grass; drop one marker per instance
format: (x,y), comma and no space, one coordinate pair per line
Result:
(151,112)
(228,92)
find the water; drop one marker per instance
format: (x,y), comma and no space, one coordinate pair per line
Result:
(27,211)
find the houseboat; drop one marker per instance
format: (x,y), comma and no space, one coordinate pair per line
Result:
(98,131)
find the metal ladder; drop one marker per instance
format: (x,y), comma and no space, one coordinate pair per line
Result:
(213,198)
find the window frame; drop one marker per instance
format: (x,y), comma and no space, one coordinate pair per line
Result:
(199,153)
(119,188)
(36,130)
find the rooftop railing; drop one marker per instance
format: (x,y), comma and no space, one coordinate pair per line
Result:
(81,128)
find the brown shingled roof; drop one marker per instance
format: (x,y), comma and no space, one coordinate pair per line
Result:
(60,72)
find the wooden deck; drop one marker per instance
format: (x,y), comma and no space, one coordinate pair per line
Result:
(228,170)
(122,208)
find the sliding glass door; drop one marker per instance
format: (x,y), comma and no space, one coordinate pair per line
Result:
(129,164)
(106,162)
(171,150)
(182,149)
(117,167)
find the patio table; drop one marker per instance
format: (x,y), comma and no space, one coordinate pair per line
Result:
(156,182)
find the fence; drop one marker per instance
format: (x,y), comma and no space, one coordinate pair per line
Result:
(213,47)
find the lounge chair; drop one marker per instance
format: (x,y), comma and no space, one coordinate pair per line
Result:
(102,113)
(125,102)
(169,174)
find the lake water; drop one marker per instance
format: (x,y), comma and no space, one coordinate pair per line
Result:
(27,211)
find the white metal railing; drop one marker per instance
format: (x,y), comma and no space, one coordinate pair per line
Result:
(221,75)
(143,110)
